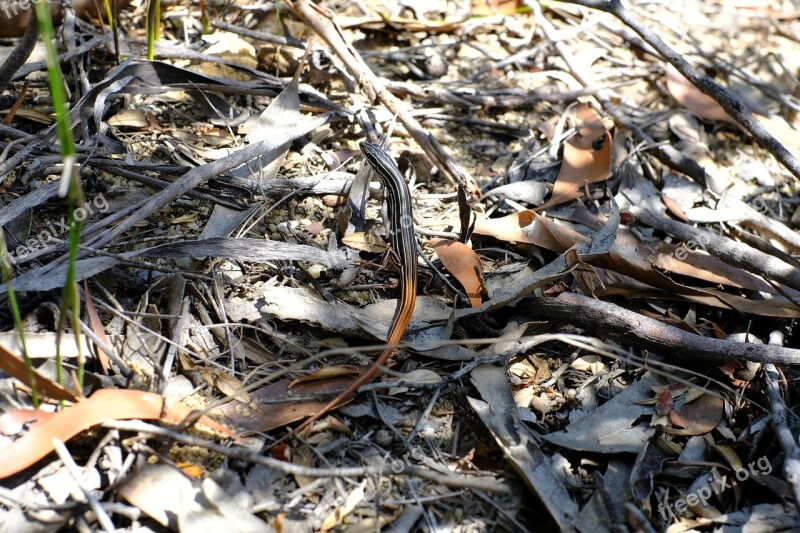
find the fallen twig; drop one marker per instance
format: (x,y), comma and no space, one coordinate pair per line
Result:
(489,485)
(20,54)
(624,326)
(772,379)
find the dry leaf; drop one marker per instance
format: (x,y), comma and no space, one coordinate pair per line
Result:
(531,228)
(97,328)
(273,406)
(697,417)
(129,118)
(590,130)
(15,420)
(420,375)
(230,386)
(664,404)
(692,99)
(217,137)
(365,242)
(579,167)
(590,363)
(103,405)
(15,367)
(353,499)
(706,107)
(464,264)
(729,454)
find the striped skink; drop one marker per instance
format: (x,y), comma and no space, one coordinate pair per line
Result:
(402,240)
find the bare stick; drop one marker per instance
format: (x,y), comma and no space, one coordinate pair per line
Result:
(772,379)
(484,483)
(621,325)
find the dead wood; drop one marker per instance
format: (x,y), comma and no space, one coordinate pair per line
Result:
(627,327)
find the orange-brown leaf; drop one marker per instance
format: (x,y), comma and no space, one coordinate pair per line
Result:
(697,417)
(104,405)
(664,403)
(464,264)
(97,327)
(579,167)
(693,99)
(15,367)
(531,228)
(591,128)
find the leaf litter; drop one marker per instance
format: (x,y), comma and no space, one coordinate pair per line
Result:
(613,331)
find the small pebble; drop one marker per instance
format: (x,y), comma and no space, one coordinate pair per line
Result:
(383,437)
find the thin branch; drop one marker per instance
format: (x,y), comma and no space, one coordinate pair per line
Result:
(732,252)
(632,329)
(772,379)
(484,483)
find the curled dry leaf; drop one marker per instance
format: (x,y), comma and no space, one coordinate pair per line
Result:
(97,328)
(531,228)
(508,228)
(579,167)
(365,242)
(130,118)
(276,405)
(590,130)
(464,264)
(104,405)
(351,502)
(590,363)
(230,386)
(697,417)
(706,107)
(664,404)
(729,455)
(674,208)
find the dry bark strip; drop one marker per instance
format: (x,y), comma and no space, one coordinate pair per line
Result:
(613,322)
(20,54)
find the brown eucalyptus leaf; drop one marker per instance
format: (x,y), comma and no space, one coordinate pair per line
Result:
(464,264)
